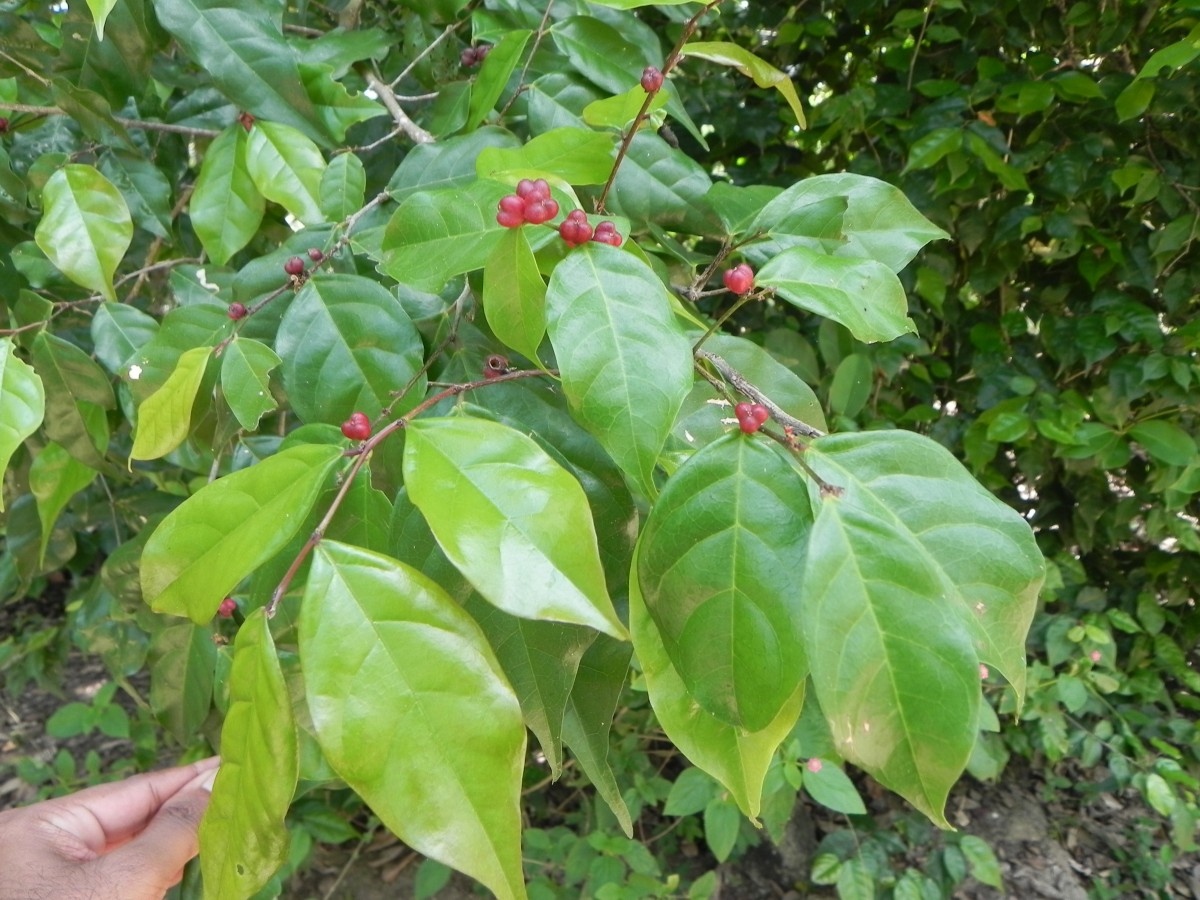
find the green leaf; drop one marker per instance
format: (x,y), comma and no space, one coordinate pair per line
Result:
(878,221)
(721,555)
(619,111)
(445,164)
(223,532)
(851,386)
(54,478)
(435,235)
(589,716)
(412,710)
(833,789)
(286,167)
(1165,441)
(737,758)
(333,106)
(625,363)
(100,10)
(77,392)
(1134,100)
(245,380)
(932,148)
(514,295)
(85,228)
(984,866)
(243,51)
(862,294)
(1159,794)
(226,208)
(493,75)
(722,822)
(512,505)
(690,793)
(22,404)
(346,344)
(763,73)
(165,417)
(575,155)
(343,187)
(145,189)
(243,838)
(540,660)
(183,659)
(855,881)
(661,185)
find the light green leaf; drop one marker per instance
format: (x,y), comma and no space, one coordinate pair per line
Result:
(165,417)
(626,366)
(333,106)
(435,235)
(982,861)
(721,825)
(495,72)
(226,208)
(100,10)
(575,155)
(286,167)
(412,710)
(343,187)
(932,148)
(763,73)
(504,530)
(833,789)
(589,716)
(22,404)
(243,838)
(1160,795)
(619,111)
(223,532)
(1134,99)
(737,758)
(86,227)
(183,661)
(245,380)
(346,344)
(54,478)
(1165,441)
(514,295)
(862,294)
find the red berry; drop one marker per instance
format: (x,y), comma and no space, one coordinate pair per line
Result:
(247,120)
(469,57)
(237,310)
(357,427)
(739,279)
(482,51)
(315,254)
(751,416)
(652,79)
(533,190)
(225,610)
(512,211)
(575,228)
(294,266)
(540,210)
(606,233)
(495,366)
(3,124)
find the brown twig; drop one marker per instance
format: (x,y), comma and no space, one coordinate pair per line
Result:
(743,386)
(387,97)
(138,124)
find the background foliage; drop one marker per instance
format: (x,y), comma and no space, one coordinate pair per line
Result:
(1054,349)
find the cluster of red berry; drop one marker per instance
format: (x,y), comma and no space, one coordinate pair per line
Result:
(751,416)
(531,203)
(473,56)
(576,230)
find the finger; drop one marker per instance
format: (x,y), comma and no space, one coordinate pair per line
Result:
(108,814)
(150,863)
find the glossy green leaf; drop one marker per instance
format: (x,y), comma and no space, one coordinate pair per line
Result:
(637,4)
(334,107)
(737,758)
(145,188)
(981,860)
(219,535)
(932,148)
(721,556)
(343,187)
(445,164)
(346,344)
(286,167)
(243,838)
(497,68)
(620,110)
(183,659)
(226,208)
(91,111)
(626,366)
(364,517)
(165,417)
(412,710)
(575,155)
(436,235)
(85,228)
(77,392)
(246,381)
(878,221)
(118,332)
(22,404)
(833,789)
(1134,100)
(540,660)
(589,716)
(54,478)
(851,385)
(514,295)
(1165,441)
(763,73)
(504,530)
(243,51)
(659,184)
(862,294)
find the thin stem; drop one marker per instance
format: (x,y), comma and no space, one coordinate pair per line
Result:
(446,32)
(912,63)
(740,382)
(742,301)
(363,453)
(139,124)
(537,40)
(411,129)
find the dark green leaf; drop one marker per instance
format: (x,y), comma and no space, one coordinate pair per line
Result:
(226,208)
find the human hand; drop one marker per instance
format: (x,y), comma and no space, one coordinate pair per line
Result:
(128,840)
